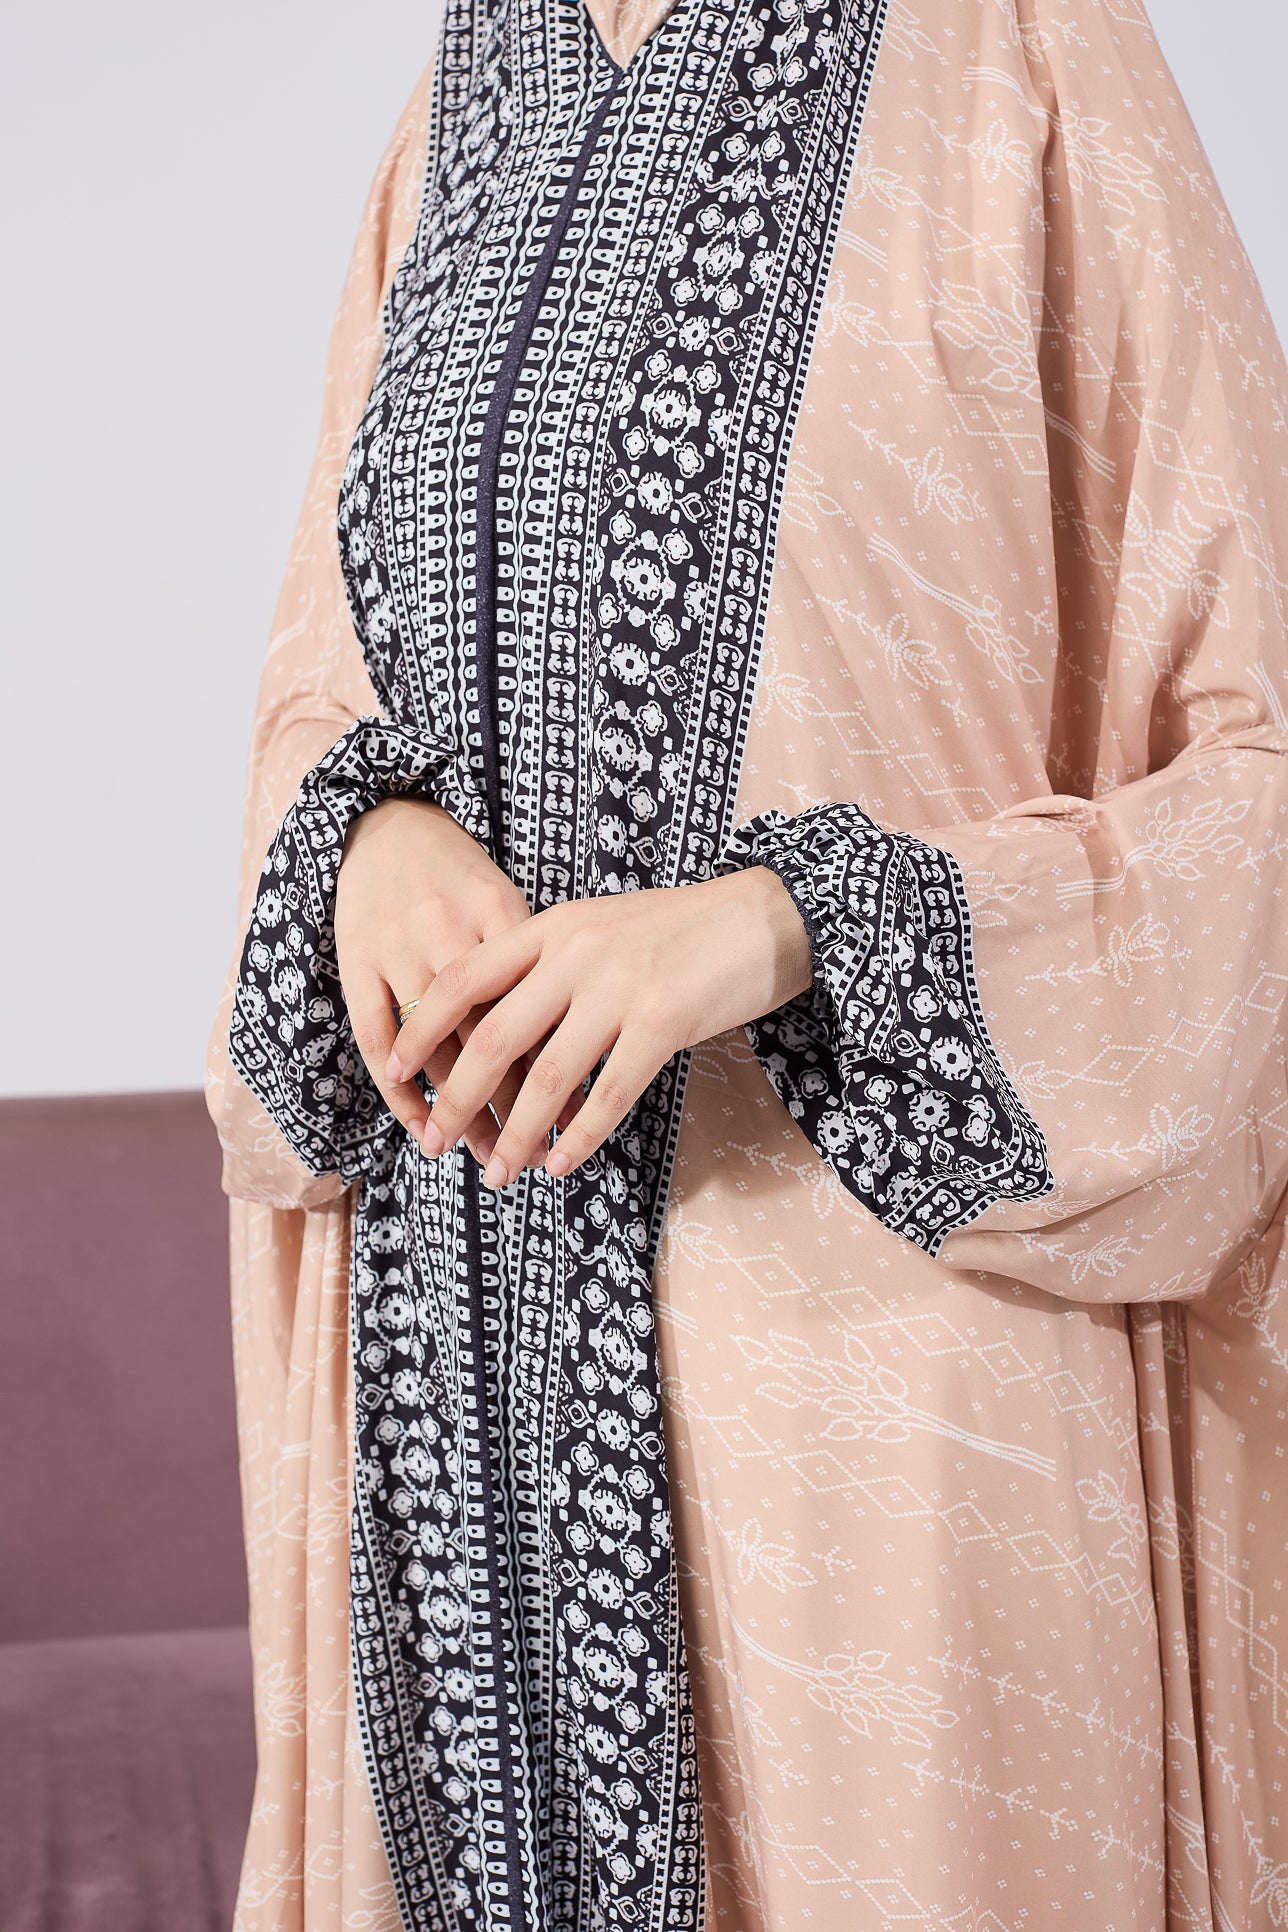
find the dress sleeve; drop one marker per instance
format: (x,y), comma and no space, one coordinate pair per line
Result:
(1049,1045)
(314,687)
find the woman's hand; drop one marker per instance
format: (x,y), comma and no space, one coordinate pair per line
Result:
(637,976)
(414,891)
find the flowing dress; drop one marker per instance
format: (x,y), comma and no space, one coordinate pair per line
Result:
(847,438)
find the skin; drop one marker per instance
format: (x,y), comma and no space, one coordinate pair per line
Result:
(517,1008)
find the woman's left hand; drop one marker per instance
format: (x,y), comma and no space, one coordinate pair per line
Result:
(638,976)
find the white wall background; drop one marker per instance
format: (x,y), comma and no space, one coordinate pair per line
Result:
(182,191)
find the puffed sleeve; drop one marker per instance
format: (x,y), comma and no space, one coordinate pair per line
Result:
(1049,1044)
(886,1061)
(314,688)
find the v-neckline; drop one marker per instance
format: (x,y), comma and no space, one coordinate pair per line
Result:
(628,7)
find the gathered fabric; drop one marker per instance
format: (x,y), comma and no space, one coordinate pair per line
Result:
(795,433)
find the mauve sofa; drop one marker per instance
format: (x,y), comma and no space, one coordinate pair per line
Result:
(126,1739)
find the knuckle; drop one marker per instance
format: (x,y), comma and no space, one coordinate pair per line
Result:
(615,1096)
(429,904)
(489,1041)
(559,922)
(454,978)
(547,1076)
(589,938)
(655,1015)
(503,899)
(425,922)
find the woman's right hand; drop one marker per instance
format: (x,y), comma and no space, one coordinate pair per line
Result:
(414,891)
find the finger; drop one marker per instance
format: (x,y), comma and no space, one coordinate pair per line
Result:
(512,913)
(568,1112)
(443,1058)
(476,977)
(480,1135)
(571,1053)
(406,968)
(629,1068)
(512,1079)
(375,1024)
(569,1109)
(503,1101)
(500,1038)
(508,1092)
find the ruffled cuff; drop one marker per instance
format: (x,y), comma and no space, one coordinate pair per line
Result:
(885,1061)
(290,1038)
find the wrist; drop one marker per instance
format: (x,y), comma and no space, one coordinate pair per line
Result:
(367,823)
(793,947)
(772,908)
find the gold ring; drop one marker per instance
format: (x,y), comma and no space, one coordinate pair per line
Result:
(406,1010)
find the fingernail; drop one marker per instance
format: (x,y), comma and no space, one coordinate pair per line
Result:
(431,1139)
(494,1174)
(393,1068)
(557,1161)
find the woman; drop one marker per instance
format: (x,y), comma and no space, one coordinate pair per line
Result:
(752,1080)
